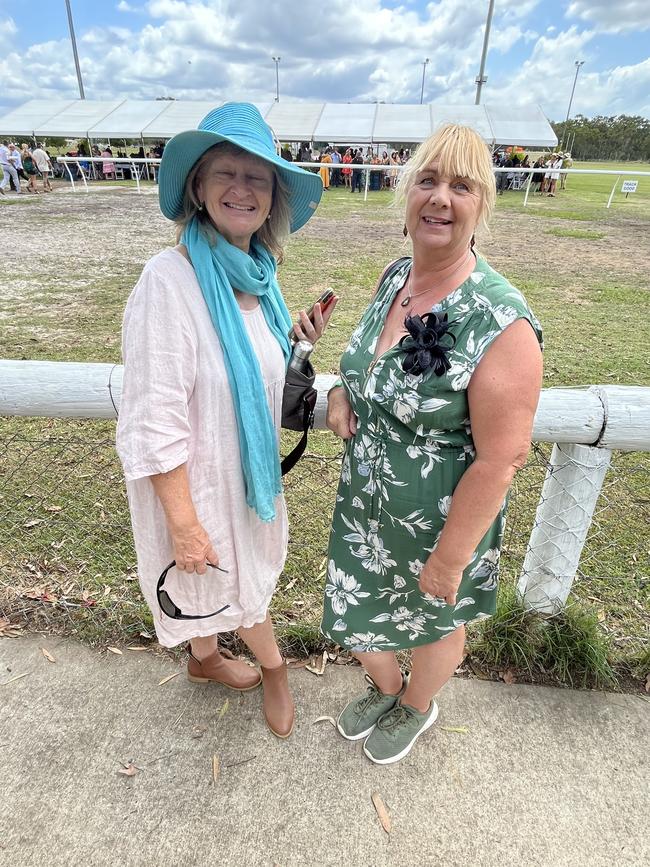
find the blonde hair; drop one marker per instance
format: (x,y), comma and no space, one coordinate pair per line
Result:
(460,152)
(275,230)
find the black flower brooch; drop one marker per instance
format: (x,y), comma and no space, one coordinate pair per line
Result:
(423,345)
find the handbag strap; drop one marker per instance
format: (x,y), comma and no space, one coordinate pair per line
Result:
(308,407)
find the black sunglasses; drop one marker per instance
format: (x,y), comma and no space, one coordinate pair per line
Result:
(170,608)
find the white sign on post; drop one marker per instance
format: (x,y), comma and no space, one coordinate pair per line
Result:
(629,186)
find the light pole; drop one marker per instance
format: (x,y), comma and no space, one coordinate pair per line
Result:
(481,78)
(424,69)
(277,60)
(578,64)
(74,49)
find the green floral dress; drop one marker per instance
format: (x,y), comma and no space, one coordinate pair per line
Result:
(399,472)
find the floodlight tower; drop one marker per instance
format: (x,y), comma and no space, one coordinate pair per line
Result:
(481,78)
(74,50)
(424,69)
(277,60)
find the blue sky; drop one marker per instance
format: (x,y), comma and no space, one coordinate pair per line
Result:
(361,52)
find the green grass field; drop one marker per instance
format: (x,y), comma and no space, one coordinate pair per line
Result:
(66,558)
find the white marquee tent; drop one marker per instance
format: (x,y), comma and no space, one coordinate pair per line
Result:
(342,123)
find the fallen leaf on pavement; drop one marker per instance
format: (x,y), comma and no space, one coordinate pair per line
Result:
(329,719)
(47,655)
(215,768)
(223,710)
(11,679)
(129,770)
(168,678)
(508,676)
(382,812)
(199,731)
(318,668)
(115,650)
(460,730)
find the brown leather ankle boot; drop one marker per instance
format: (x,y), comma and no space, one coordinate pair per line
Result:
(279,710)
(233,673)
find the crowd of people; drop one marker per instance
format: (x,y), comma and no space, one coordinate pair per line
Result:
(25,164)
(343,161)
(543,181)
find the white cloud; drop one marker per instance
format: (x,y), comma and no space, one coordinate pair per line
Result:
(123,6)
(362,52)
(612,16)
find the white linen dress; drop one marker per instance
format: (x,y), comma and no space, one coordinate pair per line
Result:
(176,408)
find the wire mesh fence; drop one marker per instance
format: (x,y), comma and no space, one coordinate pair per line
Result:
(66,547)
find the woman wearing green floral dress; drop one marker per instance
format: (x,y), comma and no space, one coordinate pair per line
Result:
(439,386)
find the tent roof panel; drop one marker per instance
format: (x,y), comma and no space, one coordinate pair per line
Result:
(468,115)
(31,116)
(291,121)
(402,123)
(346,122)
(294,121)
(177,117)
(128,120)
(525,125)
(80,116)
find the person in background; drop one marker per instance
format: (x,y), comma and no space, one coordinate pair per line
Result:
(44,166)
(8,168)
(108,166)
(323,171)
(206,347)
(347,172)
(336,161)
(438,391)
(555,164)
(29,168)
(357,174)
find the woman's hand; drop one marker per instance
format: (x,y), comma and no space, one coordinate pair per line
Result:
(341,419)
(193,549)
(304,329)
(439,579)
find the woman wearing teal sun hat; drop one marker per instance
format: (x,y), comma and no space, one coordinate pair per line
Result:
(205,346)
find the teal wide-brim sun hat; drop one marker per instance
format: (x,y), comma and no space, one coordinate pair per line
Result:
(241,124)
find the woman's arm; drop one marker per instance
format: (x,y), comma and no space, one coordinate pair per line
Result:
(503,394)
(192,546)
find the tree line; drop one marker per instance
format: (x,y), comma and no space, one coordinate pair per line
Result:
(622,137)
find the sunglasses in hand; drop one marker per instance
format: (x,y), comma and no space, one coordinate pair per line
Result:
(170,608)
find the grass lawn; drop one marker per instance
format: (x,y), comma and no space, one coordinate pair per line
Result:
(66,557)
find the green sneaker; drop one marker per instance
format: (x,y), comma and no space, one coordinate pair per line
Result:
(359,717)
(397,731)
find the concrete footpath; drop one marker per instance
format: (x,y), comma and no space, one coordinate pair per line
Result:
(530,775)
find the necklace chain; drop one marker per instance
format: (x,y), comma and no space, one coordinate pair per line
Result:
(410,296)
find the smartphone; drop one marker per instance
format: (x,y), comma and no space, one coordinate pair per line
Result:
(325,300)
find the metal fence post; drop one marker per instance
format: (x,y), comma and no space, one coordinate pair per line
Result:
(567,502)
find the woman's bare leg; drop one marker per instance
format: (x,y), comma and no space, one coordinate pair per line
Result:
(431,667)
(204,646)
(261,640)
(384,669)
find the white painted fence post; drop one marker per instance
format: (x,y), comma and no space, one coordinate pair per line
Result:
(569,495)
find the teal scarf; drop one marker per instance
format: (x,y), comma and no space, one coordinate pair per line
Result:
(219,269)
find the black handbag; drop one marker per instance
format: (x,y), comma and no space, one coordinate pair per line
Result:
(298,405)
